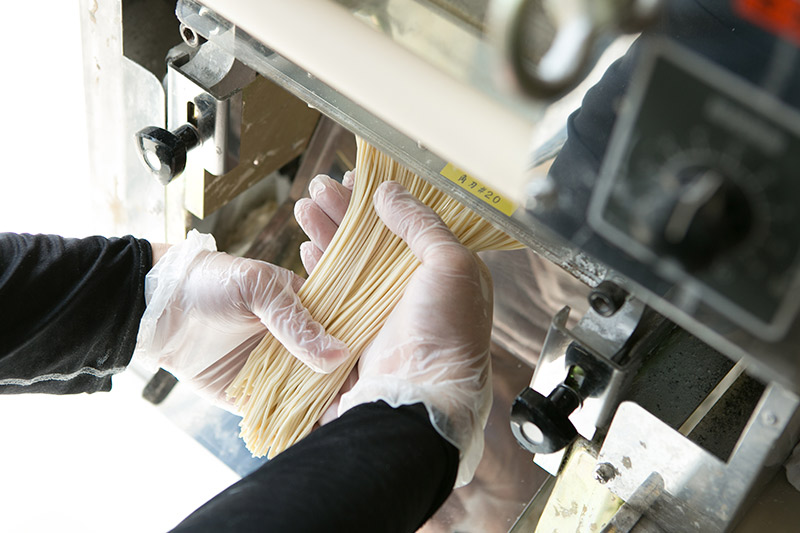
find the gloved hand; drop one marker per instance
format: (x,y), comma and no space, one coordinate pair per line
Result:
(320,215)
(207,310)
(434,347)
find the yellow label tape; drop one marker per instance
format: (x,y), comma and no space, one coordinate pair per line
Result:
(478,189)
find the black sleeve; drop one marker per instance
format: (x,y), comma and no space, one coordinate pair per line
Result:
(69,310)
(373,469)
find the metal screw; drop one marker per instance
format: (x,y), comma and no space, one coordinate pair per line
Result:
(604,473)
(769,419)
(190,36)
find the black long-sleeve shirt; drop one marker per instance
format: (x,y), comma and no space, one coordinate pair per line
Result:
(69,310)
(69,315)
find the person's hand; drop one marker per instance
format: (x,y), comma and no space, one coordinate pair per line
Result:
(207,310)
(434,347)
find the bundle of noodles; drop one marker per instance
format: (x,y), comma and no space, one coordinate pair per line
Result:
(356,284)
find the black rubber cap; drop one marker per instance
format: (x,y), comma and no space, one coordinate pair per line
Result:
(164,152)
(539,425)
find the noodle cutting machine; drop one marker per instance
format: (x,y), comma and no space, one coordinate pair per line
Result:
(649,148)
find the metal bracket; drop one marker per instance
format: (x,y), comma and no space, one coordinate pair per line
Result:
(602,340)
(205,90)
(700,492)
(204,112)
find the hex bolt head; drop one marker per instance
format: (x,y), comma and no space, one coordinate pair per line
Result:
(607,298)
(191,37)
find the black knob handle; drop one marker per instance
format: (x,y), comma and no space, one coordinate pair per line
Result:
(164,152)
(709,214)
(541,425)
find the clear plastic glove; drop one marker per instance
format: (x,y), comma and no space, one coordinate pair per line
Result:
(320,215)
(434,347)
(207,310)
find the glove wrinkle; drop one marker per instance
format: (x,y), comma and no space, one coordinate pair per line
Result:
(206,311)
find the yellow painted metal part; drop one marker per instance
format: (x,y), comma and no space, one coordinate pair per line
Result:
(578,503)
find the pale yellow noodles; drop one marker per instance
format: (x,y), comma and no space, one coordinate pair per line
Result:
(355,286)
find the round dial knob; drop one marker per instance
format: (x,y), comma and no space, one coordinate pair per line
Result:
(706,214)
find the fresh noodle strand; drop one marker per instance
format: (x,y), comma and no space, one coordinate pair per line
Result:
(353,289)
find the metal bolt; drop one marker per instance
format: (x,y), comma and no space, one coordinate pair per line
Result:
(190,36)
(604,473)
(607,298)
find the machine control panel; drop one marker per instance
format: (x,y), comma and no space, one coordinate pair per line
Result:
(701,184)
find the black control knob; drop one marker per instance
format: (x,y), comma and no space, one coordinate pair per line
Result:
(541,425)
(708,214)
(164,152)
